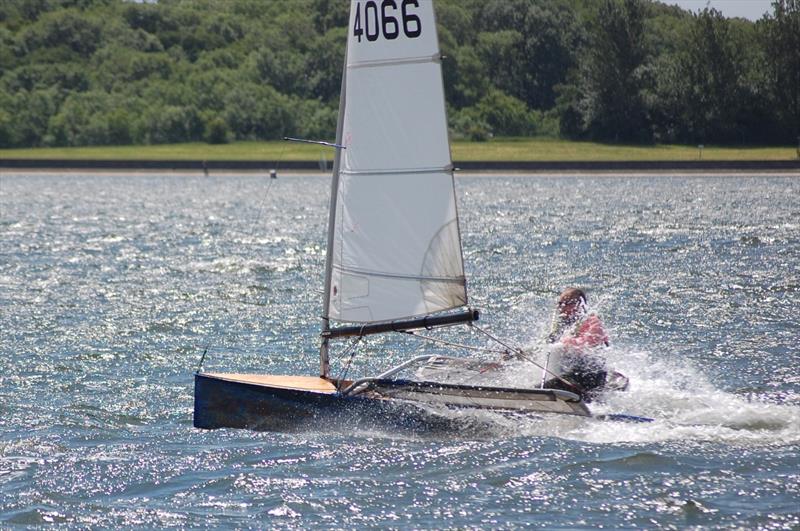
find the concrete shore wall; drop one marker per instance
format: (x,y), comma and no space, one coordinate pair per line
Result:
(527,166)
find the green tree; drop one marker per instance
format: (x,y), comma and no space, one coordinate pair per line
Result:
(311,119)
(256,111)
(497,113)
(533,47)
(329,14)
(469,79)
(17,13)
(149,17)
(78,72)
(32,111)
(69,29)
(712,67)
(92,118)
(206,88)
(114,67)
(782,46)
(506,115)
(501,52)
(6,123)
(8,57)
(615,108)
(216,131)
(64,77)
(169,124)
(324,65)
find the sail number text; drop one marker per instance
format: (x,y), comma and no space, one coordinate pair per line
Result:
(373,21)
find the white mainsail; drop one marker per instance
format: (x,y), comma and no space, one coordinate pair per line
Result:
(395,244)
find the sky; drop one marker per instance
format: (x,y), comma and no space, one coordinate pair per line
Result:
(749,9)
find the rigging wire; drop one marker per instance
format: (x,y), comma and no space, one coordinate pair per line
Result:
(266,192)
(260,209)
(479,372)
(451,343)
(522,355)
(506,352)
(352,351)
(210,343)
(518,352)
(202,359)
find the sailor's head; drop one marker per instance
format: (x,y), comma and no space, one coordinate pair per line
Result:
(571,303)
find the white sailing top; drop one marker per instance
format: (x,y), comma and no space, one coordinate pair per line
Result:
(396,246)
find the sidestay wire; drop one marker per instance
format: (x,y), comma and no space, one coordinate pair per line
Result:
(352,351)
(210,343)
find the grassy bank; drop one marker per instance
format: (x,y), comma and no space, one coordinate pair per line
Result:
(503,149)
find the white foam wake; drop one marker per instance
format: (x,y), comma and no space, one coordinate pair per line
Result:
(684,404)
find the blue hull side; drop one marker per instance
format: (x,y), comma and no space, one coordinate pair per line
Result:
(220,403)
(224,404)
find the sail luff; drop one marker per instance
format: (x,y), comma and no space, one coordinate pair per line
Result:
(324,344)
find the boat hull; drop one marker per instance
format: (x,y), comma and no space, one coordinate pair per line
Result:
(292,404)
(227,402)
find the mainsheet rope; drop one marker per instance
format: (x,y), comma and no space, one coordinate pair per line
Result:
(517,351)
(521,354)
(451,343)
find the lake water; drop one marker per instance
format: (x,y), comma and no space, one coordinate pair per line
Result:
(112,286)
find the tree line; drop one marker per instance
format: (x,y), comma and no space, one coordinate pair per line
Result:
(113,72)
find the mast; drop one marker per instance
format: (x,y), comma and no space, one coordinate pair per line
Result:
(324,358)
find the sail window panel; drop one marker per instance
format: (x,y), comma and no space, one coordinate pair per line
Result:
(397,235)
(395,119)
(391,223)
(405,300)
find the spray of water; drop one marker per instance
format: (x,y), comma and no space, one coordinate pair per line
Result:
(678,395)
(685,406)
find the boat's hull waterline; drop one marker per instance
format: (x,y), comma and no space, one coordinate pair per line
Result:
(286,403)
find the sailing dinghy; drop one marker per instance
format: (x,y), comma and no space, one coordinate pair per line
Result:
(394,259)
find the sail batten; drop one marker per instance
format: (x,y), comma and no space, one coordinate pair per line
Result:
(396,249)
(400,276)
(397,171)
(437,58)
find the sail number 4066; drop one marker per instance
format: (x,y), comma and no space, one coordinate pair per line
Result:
(373,21)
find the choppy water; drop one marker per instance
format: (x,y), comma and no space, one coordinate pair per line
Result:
(111,286)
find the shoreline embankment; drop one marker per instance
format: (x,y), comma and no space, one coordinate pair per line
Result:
(533,167)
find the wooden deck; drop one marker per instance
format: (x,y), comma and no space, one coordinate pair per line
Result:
(303,383)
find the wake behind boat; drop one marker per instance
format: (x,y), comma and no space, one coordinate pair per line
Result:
(394,258)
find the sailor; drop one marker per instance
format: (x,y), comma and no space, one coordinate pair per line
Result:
(580,334)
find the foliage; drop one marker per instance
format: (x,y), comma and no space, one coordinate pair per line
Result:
(115,72)
(615,106)
(781,34)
